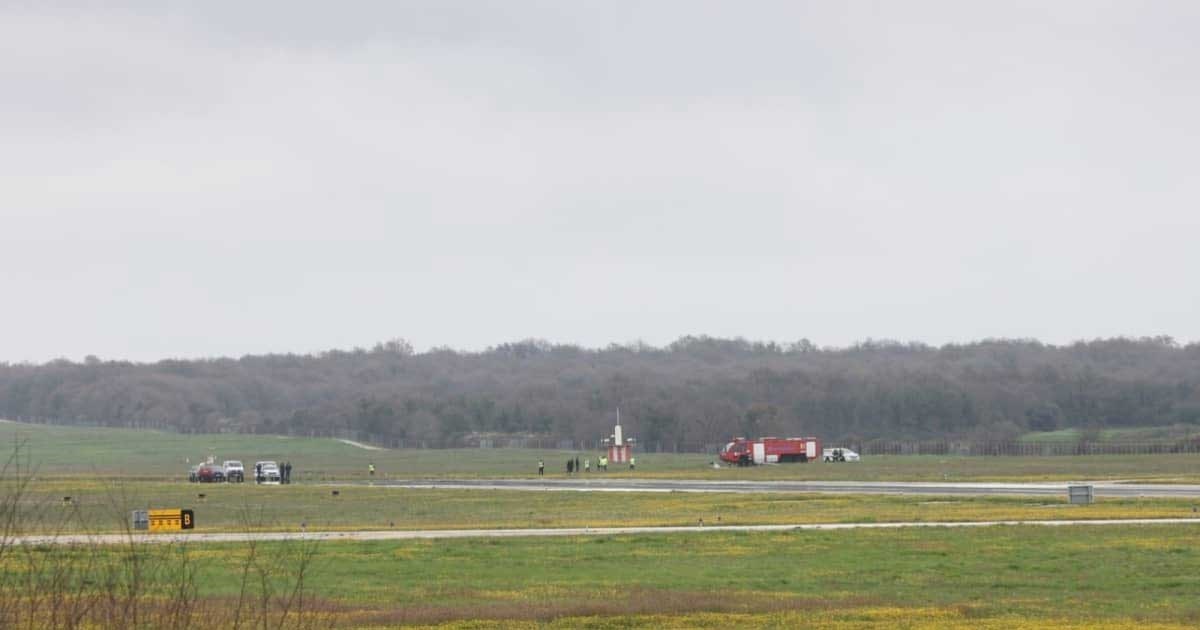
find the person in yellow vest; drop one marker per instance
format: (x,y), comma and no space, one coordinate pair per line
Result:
(371,469)
(603,463)
(632,462)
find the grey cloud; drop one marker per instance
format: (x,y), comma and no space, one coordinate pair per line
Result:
(232,178)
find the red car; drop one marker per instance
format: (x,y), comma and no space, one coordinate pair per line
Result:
(210,473)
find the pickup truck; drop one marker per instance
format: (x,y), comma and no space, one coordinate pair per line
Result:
(268,472)
(234,471)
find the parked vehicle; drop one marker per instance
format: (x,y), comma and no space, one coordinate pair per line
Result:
(840,455)
(267,471)
(194,474)
(210,473)
(770,450)
(234,471)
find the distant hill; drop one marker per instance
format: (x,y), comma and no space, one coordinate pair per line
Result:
(696,390)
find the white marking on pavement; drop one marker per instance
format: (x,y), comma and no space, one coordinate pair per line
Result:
(360,445)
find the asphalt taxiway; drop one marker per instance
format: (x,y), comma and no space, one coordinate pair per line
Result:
(1100,489)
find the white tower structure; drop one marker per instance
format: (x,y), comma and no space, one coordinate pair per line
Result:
(619,448)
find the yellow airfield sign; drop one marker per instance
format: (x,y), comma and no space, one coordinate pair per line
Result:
(171,520)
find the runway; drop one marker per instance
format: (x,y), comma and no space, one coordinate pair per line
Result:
(1100,489)
(240,537)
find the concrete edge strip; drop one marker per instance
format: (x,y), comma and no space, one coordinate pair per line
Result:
(116,539)
(1103,490)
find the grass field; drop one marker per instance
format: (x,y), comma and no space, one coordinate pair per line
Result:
(1127,434)
(102,506)
(81,452)
(1015,572)
(996,577)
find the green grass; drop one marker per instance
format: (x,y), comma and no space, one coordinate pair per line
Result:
(80,452)
(996,577)
(1106,572)
(990,577)
(1125,434)
(107,452)
(100,506)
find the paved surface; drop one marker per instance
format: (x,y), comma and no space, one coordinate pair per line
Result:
(1099,488)
(367,447)
(193,538)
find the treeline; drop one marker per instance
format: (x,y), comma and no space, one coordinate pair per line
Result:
(696,390)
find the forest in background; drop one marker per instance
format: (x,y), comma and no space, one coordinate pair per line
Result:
(696,390)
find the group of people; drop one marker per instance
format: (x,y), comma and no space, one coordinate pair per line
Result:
(836,456)
(573,465)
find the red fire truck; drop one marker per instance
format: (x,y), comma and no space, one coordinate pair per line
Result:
(771,450)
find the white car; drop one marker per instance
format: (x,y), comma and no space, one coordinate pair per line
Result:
(266,472)
(234,471)
(839,455)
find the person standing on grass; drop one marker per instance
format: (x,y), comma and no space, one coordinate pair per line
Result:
(541,468)
(371,470)
(587,465)
(570,466)
(632,462)
(576,463)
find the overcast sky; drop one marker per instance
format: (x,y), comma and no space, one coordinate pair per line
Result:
(208,179)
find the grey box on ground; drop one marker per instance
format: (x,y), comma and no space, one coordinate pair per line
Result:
(1080,495)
